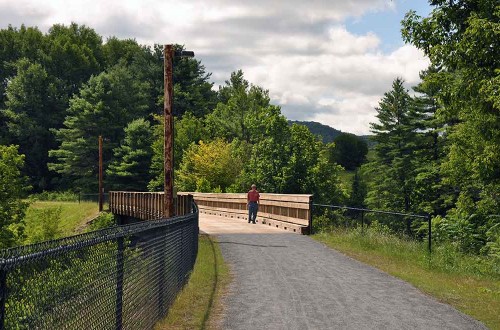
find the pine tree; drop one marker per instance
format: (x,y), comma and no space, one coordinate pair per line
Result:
(392,170)
(104,106)
(129,169)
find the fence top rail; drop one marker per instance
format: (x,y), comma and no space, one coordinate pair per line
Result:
(423,216)
(298,198)
(26,253)
(137,192)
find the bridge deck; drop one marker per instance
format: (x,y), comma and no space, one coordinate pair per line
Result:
(288,281)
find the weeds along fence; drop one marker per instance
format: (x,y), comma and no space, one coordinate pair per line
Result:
(326,217)
(122,277)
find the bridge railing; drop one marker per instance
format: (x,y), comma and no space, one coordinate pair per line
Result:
(146,205)
(291,212)
(122,277)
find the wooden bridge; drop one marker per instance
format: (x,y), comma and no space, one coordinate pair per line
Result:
(290,212)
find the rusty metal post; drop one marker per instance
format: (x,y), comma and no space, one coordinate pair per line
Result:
(101,196)
(168,210)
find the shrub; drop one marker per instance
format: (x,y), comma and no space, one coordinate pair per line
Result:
(59,196)
(42,224)
(104,220)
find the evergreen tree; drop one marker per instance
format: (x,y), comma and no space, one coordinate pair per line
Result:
(432,195)
(129,169)
(104,106)
(392,170)
(33,108)
(358,191)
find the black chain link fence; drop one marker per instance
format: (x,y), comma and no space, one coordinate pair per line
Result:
(123,277)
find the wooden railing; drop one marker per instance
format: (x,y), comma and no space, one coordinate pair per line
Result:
(146,205)
(285,211)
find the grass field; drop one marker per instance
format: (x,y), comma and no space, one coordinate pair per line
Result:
(198,305)
(470,284)
(72,219)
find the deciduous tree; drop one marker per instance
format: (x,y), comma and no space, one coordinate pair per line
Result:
(13,187)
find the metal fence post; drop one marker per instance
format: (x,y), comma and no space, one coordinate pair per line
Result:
(119,282)
(362,221)
(161,277)
(3,296)
(429,232)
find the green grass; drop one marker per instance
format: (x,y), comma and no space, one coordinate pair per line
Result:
(73,217)
(470,284)
(198,305)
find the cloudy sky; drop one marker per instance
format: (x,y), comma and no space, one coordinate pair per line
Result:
(322,60)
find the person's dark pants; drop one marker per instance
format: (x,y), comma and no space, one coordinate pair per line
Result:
(253,207)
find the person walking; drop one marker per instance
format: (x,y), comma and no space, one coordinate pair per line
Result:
(253,204)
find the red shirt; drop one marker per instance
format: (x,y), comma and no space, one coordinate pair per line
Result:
(253,196)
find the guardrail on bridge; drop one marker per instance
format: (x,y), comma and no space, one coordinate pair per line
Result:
(290,212)
(146,205)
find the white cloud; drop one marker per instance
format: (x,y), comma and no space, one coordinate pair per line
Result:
(300,50)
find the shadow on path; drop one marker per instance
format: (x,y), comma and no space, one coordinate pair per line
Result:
(257,245)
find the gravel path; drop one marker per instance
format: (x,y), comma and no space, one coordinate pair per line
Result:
(289,281)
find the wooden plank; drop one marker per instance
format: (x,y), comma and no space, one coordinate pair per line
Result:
(303,222)
(298,198)
(285,197)
(243,201)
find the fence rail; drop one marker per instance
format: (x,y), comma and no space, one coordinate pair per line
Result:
(363,211)
(291,212)
(146,205)
(123,277)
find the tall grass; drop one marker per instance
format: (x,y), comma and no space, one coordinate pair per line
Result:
(470,283)
(198,304)
(59,196)
(444,257)
(48,220)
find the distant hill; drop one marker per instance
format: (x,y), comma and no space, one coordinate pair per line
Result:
(327,133)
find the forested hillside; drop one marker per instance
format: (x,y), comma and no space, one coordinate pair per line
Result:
(327,133)
(437,152)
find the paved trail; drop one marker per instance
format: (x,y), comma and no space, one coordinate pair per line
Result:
(288,281)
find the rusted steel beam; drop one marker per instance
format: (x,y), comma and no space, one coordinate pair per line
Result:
(168,210)
(101,189)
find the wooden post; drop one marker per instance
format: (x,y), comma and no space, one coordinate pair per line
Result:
(101,196)
(168,210)
(310,215)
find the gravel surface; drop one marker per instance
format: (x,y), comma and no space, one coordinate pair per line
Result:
(288,281)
